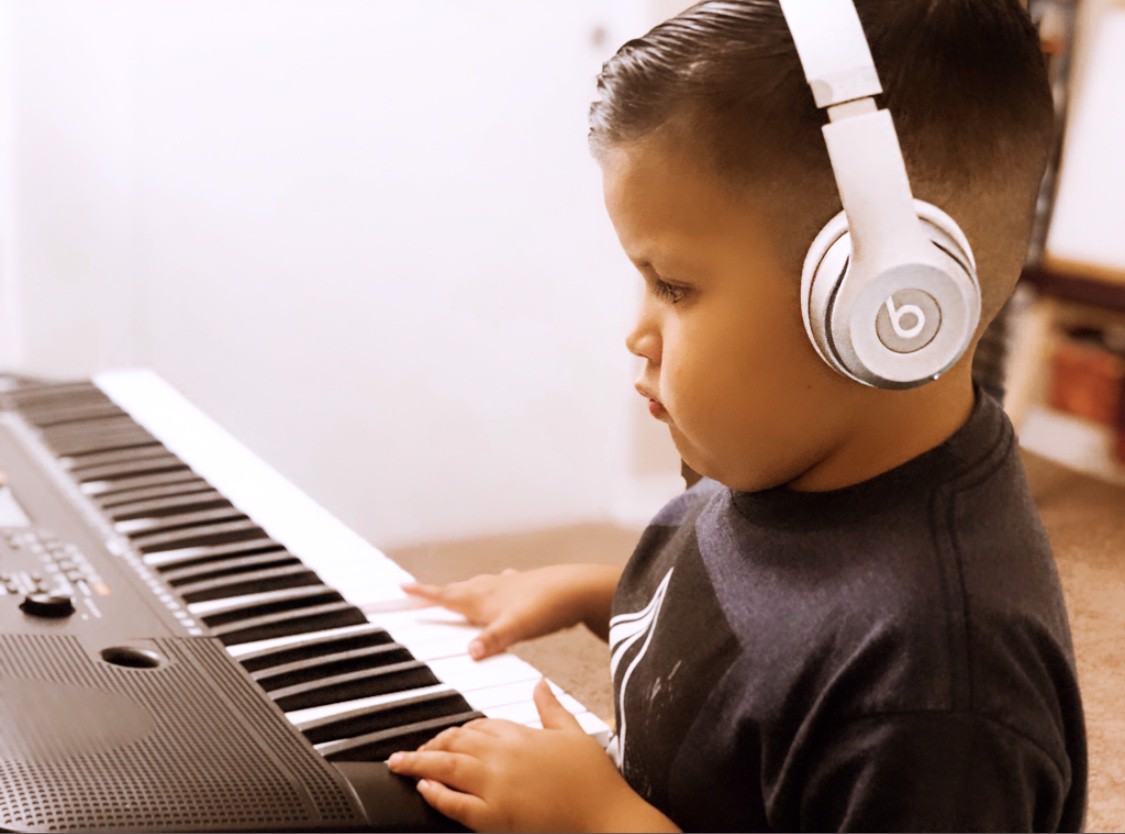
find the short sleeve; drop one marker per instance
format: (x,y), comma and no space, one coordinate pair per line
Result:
(931,771)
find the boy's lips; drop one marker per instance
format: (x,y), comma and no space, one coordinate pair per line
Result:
(655,407)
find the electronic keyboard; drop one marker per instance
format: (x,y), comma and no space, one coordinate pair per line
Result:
(189,643)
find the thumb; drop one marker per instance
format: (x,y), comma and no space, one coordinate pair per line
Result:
(496,636)
(553,714)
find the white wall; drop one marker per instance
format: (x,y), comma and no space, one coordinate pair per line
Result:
(365,236)
(11,345)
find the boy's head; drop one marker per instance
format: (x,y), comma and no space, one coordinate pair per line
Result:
(717,179)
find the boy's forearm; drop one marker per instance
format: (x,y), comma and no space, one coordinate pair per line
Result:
(599,583)
(630,812)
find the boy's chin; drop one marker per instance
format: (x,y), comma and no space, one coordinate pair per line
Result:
(747,478)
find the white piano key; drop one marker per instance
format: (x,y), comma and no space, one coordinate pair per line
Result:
(521,713)
(466,674)
(428,632)
(590,723)
(525,712)
(418,615)
(489,699)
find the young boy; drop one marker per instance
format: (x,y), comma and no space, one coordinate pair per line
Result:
(854,621)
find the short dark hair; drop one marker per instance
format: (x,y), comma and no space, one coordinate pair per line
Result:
(965,81)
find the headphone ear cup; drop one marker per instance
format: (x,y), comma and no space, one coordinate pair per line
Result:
(826,265)
(866,349)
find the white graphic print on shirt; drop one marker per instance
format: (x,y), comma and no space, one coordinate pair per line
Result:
(625,632)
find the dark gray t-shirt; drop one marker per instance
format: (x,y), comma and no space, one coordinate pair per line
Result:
(894,655)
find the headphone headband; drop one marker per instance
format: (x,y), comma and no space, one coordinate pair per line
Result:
(833,50)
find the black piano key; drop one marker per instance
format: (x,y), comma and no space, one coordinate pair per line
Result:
(383,680)
(77,463)
(132,469)
(269,579)
(285,623)
(372,635)
(379,745)
(237,564)
(186,557)
(80,443)
(104,489)
(444,703)
(50,397)
(331,665)
(229,531)
(168,505)
(145,523)
(94,410)
(108,425)
(177,521)
(252,605)
(129,496)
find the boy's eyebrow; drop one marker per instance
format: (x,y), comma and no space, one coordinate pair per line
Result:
(671,264)
(672,268)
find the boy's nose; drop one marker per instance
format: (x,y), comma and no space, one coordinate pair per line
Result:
(643,342)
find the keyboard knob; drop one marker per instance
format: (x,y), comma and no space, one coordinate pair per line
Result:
(40,604)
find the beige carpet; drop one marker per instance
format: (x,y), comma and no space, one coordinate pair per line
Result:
(1084,518)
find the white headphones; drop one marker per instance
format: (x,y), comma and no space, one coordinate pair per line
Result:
(889,291)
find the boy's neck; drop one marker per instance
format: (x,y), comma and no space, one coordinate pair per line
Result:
(898,427)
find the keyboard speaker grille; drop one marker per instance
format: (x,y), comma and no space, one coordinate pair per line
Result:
(189,746)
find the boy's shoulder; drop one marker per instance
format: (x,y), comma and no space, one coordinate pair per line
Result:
(938,571)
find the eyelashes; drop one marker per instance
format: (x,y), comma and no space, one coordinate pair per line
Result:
(668,292)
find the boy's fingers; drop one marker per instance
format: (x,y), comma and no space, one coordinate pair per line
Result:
(462,807)
(450,596)
(497,636)
(467,738)
(456,770)
(417,589)
(553,714)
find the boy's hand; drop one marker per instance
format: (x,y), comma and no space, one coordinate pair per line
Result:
(514,606)
(493,775)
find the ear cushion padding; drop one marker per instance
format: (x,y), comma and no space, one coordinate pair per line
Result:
(841,312)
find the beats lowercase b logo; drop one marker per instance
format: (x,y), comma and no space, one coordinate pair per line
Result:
(908,321)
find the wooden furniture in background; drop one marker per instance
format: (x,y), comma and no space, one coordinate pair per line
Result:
(1060,394)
